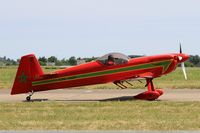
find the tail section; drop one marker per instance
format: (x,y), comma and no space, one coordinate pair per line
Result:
(29,69)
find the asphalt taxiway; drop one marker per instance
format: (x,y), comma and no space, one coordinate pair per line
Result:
(88,95)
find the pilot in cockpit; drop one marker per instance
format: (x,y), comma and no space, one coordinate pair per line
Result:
(111,60)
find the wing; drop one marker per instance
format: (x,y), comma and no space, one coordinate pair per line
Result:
(146,75)
(142,76)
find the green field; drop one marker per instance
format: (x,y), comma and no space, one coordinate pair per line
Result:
(7,76)
(132,115)
(129,115)
(173,80)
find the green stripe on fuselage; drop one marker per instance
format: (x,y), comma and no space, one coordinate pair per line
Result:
(165,64)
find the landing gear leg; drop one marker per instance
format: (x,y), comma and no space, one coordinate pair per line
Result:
(120,84)
(151,94)
(28,98)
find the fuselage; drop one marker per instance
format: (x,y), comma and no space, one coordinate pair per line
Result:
(96,72)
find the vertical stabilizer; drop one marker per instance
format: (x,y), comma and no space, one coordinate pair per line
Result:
(29,68)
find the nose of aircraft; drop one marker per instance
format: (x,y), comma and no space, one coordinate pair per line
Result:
(183,57)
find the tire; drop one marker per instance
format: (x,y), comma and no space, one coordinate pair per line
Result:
(28,98)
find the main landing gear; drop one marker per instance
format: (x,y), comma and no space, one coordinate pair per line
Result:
(28,98)
(151,94)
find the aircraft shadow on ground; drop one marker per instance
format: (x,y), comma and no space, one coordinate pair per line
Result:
(37,100)
(123,98)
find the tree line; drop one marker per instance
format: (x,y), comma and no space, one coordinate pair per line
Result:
(44,61)
(194,61)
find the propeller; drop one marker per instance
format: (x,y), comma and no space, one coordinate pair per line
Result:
(183,69)
(180,49)
(182,64)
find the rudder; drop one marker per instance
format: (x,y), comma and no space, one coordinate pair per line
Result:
(29,69)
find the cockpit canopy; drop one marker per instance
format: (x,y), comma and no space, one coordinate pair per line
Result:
(117,58)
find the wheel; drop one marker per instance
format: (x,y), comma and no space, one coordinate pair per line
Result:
(28,98)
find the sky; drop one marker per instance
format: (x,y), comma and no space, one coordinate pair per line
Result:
(86,28)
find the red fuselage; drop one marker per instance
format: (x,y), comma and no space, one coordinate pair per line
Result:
(96,72)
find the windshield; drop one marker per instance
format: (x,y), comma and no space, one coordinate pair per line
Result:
(115,58)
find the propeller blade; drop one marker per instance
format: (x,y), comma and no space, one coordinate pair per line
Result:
(183,69)
(180,49)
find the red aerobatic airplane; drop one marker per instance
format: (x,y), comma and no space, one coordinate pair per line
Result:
(113,67)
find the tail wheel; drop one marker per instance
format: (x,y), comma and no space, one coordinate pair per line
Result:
(28,98)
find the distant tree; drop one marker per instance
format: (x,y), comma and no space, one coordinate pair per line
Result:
(90,59)
(58,63)
(52,59)
(65,62)
(189,64)
(18,60)
(8,60)
(43,61)
(195,59)
(72,61)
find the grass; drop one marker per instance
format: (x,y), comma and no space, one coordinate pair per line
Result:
(132,115)
(176,79)
(7,76)
(173,80)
